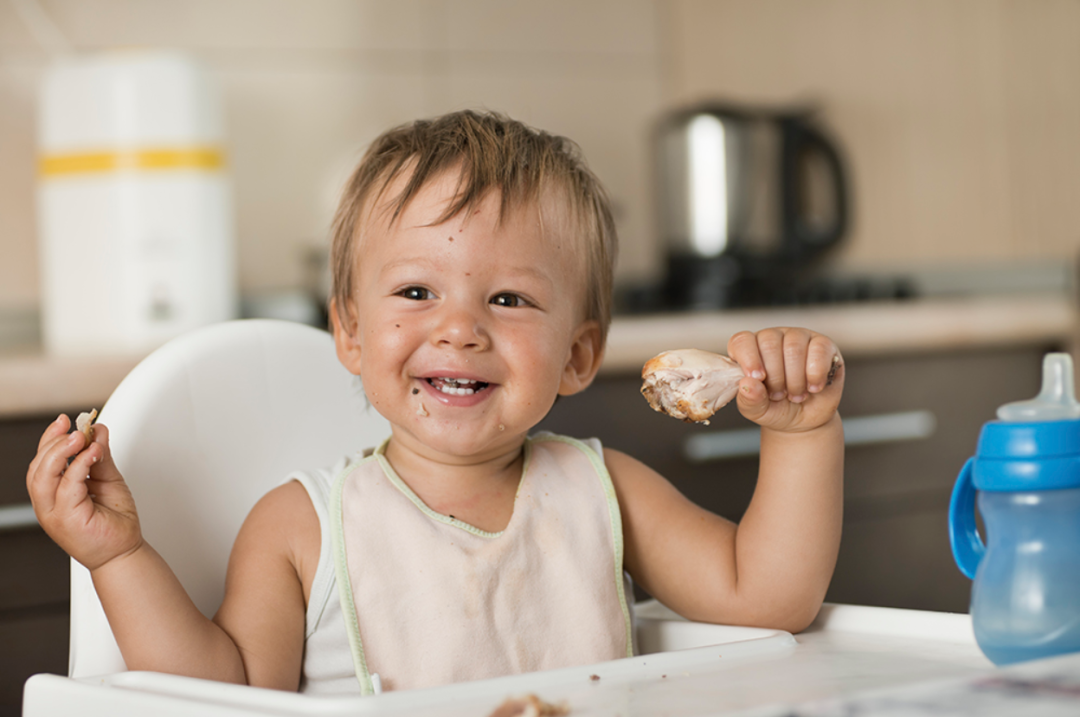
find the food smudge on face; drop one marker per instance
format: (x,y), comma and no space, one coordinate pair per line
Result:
(421,411)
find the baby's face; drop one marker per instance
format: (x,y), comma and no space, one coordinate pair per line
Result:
(464,331)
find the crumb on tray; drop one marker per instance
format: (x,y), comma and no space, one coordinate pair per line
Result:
(529,706)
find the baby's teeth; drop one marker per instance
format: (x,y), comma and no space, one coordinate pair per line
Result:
(457,391)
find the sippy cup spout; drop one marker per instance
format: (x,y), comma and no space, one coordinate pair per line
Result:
(1057,398)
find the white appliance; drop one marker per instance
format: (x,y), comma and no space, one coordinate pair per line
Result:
(135,213)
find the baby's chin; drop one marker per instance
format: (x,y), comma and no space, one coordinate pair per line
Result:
(463,445)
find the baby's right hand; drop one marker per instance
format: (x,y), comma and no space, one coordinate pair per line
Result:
(85,505)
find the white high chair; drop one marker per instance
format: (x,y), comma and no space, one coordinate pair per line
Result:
(205,426)
(201,429)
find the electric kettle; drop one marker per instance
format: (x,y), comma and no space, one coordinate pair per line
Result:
(745,197)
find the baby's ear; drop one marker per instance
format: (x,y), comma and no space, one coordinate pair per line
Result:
(586,355)
(344,330)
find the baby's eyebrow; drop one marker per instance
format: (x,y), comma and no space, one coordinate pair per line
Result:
(408,262)
(428,264)
(528,272)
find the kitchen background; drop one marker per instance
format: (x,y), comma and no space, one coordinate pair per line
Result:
(958,119)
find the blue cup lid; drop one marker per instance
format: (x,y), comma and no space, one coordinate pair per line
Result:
(1020,456)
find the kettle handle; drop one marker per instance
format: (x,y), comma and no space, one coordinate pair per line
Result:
(967,546)
(804,241)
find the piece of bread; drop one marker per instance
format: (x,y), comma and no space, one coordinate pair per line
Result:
(85,423)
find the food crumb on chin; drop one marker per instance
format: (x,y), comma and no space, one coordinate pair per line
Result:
(421,411)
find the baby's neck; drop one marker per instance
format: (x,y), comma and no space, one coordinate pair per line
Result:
(479,492)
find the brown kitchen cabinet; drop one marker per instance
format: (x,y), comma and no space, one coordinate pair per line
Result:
(34,576)
(895,548)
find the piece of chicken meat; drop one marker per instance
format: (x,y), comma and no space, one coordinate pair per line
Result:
(690,384)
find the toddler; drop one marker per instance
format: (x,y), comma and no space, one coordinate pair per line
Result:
(472,262)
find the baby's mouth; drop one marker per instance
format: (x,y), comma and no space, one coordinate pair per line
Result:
(457,386)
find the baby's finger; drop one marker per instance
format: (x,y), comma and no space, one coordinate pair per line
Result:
(41,486)
(771,345)
(821,361)
(753,399)
(73,489)
(796,342)
(42,481)
(55,431)
(103,469)
(743,349)
(40,458)
(57,428)
(101,438)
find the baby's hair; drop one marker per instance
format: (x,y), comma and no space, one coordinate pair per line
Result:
(490,152)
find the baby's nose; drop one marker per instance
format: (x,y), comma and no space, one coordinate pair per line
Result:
(462,328)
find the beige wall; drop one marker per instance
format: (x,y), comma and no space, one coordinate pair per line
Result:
(961,118)
(309,84)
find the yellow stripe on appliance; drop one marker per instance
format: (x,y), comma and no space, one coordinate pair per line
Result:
(132,160)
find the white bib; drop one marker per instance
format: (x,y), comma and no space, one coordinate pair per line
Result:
(430,600)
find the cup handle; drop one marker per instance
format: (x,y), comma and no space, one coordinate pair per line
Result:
(967,546)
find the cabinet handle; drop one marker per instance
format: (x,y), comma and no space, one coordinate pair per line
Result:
(858,431)
(16,517)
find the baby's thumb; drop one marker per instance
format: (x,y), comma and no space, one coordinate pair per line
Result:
(104,469)
(752,398)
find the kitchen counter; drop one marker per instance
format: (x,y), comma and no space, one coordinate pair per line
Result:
(33,383)
(877,328)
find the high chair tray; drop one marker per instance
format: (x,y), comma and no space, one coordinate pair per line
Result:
(688,669)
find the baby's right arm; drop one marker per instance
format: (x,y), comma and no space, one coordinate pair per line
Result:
(86,507)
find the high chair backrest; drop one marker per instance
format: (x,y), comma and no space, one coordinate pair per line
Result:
(201,429)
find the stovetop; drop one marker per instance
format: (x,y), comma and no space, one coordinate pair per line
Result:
(652,298)
(903,284)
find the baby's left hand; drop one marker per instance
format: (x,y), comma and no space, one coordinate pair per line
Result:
(794,377)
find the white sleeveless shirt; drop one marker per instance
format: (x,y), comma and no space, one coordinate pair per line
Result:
(423,599)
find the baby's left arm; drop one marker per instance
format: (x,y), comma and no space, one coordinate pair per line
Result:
(773,568)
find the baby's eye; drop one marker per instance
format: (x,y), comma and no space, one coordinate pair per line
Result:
(416,293)
(506,299)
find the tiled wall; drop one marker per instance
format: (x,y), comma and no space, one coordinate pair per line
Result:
(309,84)
(961,118)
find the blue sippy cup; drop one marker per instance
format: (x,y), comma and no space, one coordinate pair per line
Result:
(1025,601)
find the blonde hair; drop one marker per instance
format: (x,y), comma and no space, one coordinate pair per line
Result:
(490,152)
